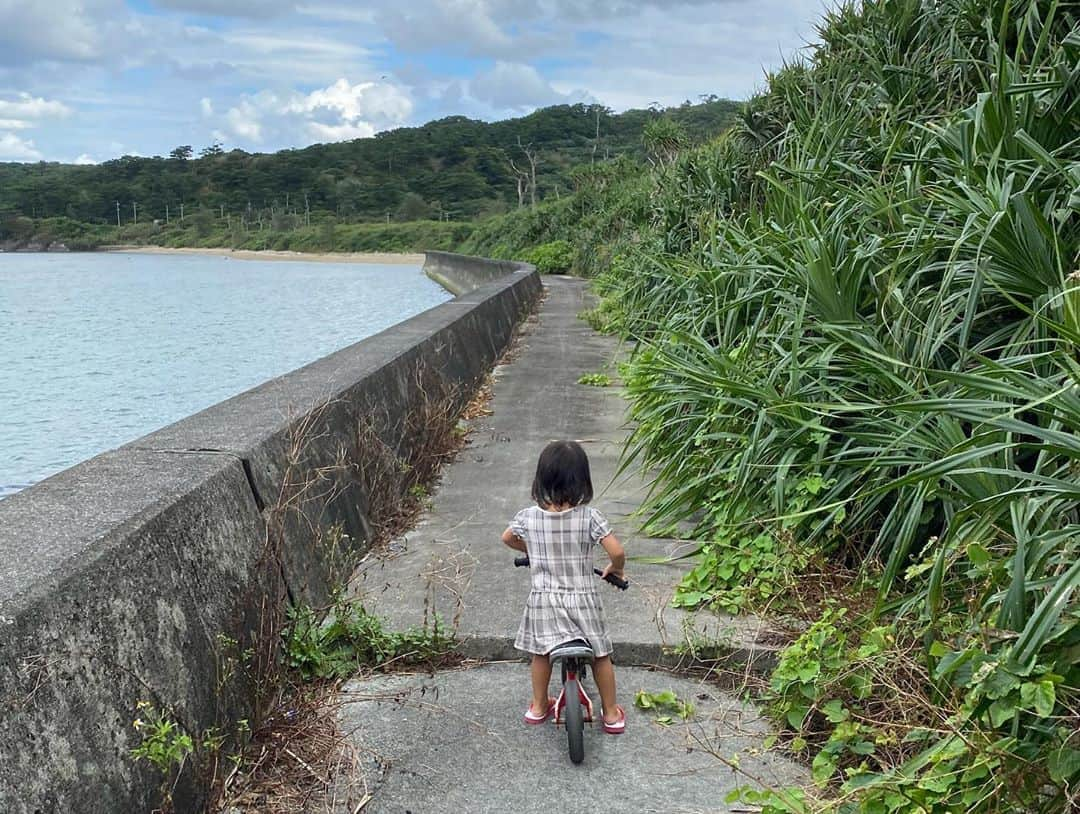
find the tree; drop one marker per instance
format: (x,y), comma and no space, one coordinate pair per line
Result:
(531,157)
(596,110)
(526,179)
(464,164)
(204,222)
(413,207)
(522,179)
(326,233)
(663,139)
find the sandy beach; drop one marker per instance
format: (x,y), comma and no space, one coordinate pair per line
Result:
(382,258)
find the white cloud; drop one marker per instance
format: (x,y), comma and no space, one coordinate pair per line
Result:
(634,65)
(206,106)
(351,102)
(338,112)
(509,28)
(22,113)
(267,55)
(622,53)
(271,44)
(229,8)
(331,13)
(85,159)
(444,24)
(340,132)
(243,121)
(61,30)
(13,148)
(514,86)
(25,106)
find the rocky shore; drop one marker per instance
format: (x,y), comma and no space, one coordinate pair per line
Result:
(33,246)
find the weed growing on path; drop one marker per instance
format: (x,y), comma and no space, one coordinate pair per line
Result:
(595,380)
(353,640)
(665,704)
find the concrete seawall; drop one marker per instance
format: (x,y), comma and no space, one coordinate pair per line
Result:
(459,273)
(146,573)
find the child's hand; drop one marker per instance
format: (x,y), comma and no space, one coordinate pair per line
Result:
(611,569)
(511,540)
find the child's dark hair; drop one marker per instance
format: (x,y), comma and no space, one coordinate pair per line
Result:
(562,475)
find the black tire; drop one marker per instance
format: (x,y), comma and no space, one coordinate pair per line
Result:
(575,722)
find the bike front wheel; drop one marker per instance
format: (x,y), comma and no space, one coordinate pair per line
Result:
(575,721)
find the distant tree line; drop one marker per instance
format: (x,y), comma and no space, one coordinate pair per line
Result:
(451,169)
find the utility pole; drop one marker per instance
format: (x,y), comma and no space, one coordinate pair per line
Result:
(307,210)
(118,213)
(166,214)
(223,212)
(181,212)
(135,211)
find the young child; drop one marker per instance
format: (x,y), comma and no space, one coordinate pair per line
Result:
(559,534)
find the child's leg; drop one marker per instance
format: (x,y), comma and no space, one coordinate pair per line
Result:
(541,677)
(604,673)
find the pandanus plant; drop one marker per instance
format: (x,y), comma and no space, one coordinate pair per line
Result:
(887,303)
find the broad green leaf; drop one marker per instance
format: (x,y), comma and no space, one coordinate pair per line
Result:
(1002,711)
(1064,764)
(978,555)
(796,715)
(823,767)
(834,711)
(1038,695)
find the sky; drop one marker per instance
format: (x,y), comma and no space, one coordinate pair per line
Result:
(89,80)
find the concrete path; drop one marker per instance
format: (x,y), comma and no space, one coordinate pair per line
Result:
(454,742)
(452,562)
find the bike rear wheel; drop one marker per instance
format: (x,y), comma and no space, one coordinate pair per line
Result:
(575,721)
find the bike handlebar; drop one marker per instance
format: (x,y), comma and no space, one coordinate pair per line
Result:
(621,584)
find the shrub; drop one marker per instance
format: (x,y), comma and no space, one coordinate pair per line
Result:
(556,257)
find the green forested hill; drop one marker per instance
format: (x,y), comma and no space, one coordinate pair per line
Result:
(454,168)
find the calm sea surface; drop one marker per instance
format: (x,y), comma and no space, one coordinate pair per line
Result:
(99,349)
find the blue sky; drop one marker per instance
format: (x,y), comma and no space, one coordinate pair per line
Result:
(89,80)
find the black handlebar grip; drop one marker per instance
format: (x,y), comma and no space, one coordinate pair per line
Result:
(621,584)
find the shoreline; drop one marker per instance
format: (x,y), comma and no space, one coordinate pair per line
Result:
(379,258)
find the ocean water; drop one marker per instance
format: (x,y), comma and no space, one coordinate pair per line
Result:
(99,349)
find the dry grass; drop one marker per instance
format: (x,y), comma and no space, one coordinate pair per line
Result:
(296,759)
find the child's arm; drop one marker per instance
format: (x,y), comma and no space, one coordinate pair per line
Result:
(514,542)
(614,550)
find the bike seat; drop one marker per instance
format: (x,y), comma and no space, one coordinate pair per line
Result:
(573,649)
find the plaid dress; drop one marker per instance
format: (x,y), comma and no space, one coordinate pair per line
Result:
(564,602)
